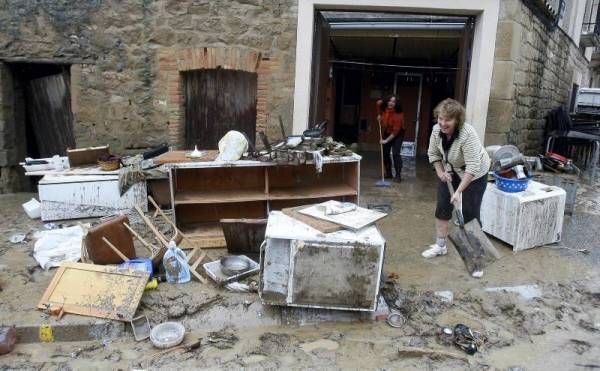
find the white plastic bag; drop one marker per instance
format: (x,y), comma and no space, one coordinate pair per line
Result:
(58,245)
(232,146)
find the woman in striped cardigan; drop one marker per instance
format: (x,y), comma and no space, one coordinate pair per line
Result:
(457,156)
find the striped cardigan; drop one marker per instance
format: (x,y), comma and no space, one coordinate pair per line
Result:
(465,155)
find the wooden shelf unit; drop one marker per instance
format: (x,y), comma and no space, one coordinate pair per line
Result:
(205,192)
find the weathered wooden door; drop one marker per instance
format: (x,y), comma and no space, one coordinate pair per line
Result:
(217,101)
(49,113)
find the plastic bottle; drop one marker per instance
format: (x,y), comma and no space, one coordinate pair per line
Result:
(176,267)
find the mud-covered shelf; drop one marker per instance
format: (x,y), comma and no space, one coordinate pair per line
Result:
(205,192)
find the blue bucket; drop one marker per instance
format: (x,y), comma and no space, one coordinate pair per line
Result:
(511,185)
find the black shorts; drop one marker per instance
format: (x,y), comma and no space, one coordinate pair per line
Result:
(471,199)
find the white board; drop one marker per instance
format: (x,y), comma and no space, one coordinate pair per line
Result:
(355,220)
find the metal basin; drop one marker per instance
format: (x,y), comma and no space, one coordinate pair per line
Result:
(232,265)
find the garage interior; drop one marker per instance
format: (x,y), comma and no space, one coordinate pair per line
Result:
(360,57)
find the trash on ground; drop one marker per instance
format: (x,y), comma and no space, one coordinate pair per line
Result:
(526,291)
(8,339)
(411,352)
(140,327)
(215,271)
(241,287)
(232,265)
(17,238)
(55,246)
(167,335)
(396,319)
(141,264)
(33,208)
(94,290)
(446,296)
(466,339)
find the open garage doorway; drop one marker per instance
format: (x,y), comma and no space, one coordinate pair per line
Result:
(359,57)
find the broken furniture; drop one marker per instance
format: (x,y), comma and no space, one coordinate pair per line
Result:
(85,196)
(110,242)
(524,219)
(95,290)
(163,240)
(565,138)
(244,235)
(303,267)
(203,193)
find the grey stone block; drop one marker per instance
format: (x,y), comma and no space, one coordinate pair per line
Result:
(508,41)
(503,80)
(500,115)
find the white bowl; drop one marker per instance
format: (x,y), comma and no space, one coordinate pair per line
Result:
(167,335)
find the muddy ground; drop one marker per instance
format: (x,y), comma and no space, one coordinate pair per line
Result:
(553,326)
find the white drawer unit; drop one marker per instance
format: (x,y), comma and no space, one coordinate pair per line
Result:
(524,219)
(86,196)
(303,267)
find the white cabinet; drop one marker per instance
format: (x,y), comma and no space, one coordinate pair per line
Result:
(524,219)
(303,267)
(86,196)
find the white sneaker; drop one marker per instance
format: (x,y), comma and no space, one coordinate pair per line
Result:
(434,250)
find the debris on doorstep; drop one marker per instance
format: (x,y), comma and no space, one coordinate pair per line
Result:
(466,339)
(94,290)
(215,272)
(355,219)
(33,208)
(241,287)
(167,335)
(55,246)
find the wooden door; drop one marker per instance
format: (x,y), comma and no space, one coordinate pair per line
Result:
(217,101)
(48,101)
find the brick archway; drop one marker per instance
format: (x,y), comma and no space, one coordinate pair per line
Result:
(172,61)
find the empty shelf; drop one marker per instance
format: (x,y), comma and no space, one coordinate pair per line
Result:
(219,196)
(320,191)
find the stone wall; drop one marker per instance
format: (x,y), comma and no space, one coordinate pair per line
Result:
(114,49)
(534,70)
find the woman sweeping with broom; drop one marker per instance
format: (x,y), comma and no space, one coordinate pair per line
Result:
(458,157)
(391,121)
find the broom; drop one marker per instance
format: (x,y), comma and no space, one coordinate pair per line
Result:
(382,182)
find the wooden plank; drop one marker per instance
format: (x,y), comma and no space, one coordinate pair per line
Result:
(94,290)
(204,235)
(174,157)
(318,224)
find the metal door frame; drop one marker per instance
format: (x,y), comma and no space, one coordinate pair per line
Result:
(420,77)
